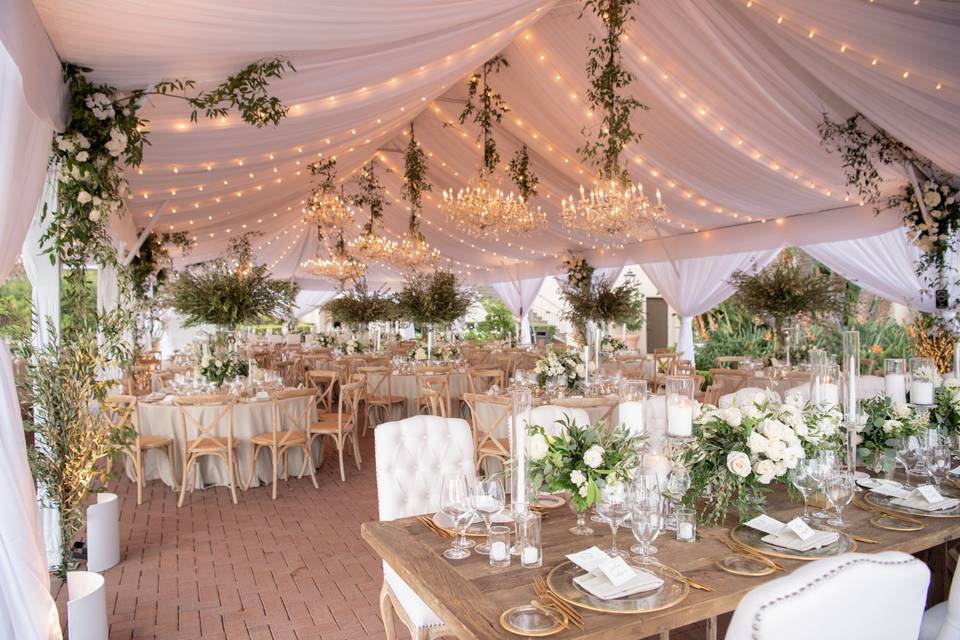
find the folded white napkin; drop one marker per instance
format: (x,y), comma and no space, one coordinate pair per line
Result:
(789,540)
(918,502)
(597,584)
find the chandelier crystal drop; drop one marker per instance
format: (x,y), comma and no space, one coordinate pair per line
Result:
(336,268)
(611,208)
(372,246)
(483,209)
(414,253)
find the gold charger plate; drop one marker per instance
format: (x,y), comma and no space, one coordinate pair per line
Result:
(884,502)
(741,564)
(530,622)
(750,537)
(893,523)
(673,590)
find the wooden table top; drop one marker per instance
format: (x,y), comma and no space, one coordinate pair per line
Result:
(469,595)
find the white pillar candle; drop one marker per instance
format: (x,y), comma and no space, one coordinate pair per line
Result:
(530,555)
(498,551)
(658,464)
(680,417)
(895,386)
(685,532)
(830,394)
(586,365)
(632,414)
(921,392)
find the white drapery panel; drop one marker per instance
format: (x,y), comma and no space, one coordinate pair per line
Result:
(884,265)
(308,301)
(696,285)
(519,295)
(26,608)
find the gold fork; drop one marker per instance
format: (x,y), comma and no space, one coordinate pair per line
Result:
(737,547)
(546,593)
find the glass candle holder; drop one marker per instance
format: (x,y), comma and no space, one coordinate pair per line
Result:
(631,411)
(499,546)
(522,406)
(529,527)
(686,524)
(923,377)
(895,379)
(825,384)
(680,406)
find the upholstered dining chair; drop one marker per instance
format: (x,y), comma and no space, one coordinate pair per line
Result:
(726,381)
(879,596)
(290,424)
(489,425)
(942,621)
(323,382)
(125,411)
(379,392)
(341,426)
(207,440)
(411,456)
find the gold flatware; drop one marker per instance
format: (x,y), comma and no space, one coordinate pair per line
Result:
(863,539)
(869,508)
(541,588)
(737,547)
(692,583)
(553,612)
(432,526)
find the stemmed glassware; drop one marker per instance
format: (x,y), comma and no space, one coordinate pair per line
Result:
(614,507)
(827,463)
(937,460)
(646,521)
(488,499)
(806,480)
(907,454)
(455,502)
(675,488)
(838,488)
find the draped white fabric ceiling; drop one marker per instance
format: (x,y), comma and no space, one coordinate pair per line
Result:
(736,89)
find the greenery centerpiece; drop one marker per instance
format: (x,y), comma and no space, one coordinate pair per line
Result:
(442,350)
(565,367)
(592,298)
(216,370)
(611,345)
(947,412)
(581,460)
(351,346)
(882,422)
(358,307)
(434,299)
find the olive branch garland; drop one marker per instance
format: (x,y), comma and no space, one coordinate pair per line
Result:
(370,194)
(487,107)
(415,181)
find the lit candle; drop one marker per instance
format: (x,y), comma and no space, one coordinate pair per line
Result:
(680,417)
(632,414)
(685,532)
(530,555)
(895,386)
(829,394)
(921,392)
(498,551)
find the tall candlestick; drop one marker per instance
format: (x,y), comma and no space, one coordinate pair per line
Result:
(586,366)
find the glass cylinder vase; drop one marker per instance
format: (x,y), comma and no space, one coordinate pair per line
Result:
(631,410)
(895,379)
(680,403)
(922,381)
(521,415)
(851,393)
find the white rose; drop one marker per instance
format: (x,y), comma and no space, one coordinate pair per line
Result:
(776,450)
(751,411)
(765,471)
(577,477)
(739,463)
(901,410)
(83,156)
(759,397)
(217,363)
(537,446)
(82,141)
(83,197)
(593,457)
(584,489)
(757,443)
(931,198)
(791,458)
(94,215)
(773,429)
(891,426)
(779,469)
(117,143)
(732,416)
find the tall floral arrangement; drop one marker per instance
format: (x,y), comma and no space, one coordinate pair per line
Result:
(567,366)
(592,298)
(431,299)
(882,421)
(359,306)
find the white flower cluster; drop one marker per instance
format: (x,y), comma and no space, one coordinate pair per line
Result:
(77,148)
(952,386)
(352,346)
(927,374)
(101,106)
(938,199)
(567,365)
(578,272)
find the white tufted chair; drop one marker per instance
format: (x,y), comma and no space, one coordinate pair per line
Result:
(549,416)
(412,455)
(942,621)
(744,396)
(871,386)
(802,391)
(876,596)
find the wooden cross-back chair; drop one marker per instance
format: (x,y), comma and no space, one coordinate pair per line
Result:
(207,442)
(726,381)
(290,425)
(379,394)
(323,381)
(604,405)
(485,424)
(480,379)
(433,401)
(124,411)
(342,425)
(439,382)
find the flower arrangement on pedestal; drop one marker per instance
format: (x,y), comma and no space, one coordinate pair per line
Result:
(581,459)
(596,299)
(442,350)
(610,345)
(948,406)
(567,366)
(324,340)
(882,422)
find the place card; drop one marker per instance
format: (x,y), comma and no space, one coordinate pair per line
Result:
(588,559)
(801,528)
(889,490)
(765,523)
(617,571)
(930,493)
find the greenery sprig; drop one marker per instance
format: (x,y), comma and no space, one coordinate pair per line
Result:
(359,306)
(608,80)
(591,298)
(522,175)
(370,195)
(487,107)
(326,172)
(414,180)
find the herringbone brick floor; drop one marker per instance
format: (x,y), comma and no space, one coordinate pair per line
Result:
(287,569)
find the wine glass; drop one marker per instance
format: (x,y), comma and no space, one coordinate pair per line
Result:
(646,522)
(937,461)
(675,488)
(455,502)
(907,454)
(838,488)
(614,507)
(488,499)
(806,480)
(827,463)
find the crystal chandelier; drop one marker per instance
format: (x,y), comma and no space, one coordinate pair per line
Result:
(337,268)
(326,210)
(414,253)
(482,208)
(372,246)
(611,208)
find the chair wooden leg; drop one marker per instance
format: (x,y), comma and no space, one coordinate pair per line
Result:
(253,466)
(356,450)
(275,457)
(340,446)
(308,462)
(387,613)
(173,467)
(231,474)
(187,461)
(138,468)
(306,459)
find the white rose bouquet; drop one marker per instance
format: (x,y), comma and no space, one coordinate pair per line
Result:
(581,459)
(218,370)
(351,347)
(739,451)
(567,365)
(948,406)
(324,340)
(611,345)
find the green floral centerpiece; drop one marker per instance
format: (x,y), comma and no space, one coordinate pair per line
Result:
(592,298)
(442,350)
(324,340)
(566,367)
(610,345)
(581,460)
(882,422)
(351,347)
(947,412)
(740,450)
(216,370)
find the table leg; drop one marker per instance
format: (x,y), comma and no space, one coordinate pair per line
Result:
(665,634)
(712,628)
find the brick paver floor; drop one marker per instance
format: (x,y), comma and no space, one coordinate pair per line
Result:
(290,569)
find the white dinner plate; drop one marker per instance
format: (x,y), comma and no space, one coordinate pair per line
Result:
(873,483)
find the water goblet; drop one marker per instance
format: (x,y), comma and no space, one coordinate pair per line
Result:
(614,508)
(806,481)
(838,488)
(646,522)
(937,460)
(455,503)
(827,463)
(488,499)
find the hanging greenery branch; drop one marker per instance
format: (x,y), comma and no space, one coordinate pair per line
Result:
(150,268)
(326,171)
(370,195)
(231,291)
(522,175)
(487,107)
(414,180)
(607,80)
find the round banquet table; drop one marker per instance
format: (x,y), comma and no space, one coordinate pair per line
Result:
(403,384)
(250,417)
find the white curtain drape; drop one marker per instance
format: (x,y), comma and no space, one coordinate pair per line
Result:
(26,608)
(519,295)
(695,285)
(884,265)
(308,301)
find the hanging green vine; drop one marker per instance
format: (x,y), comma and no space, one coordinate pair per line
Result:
(370,195)
(326,171)
(522,175)
(414,180)
(607,79)
(487,107)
